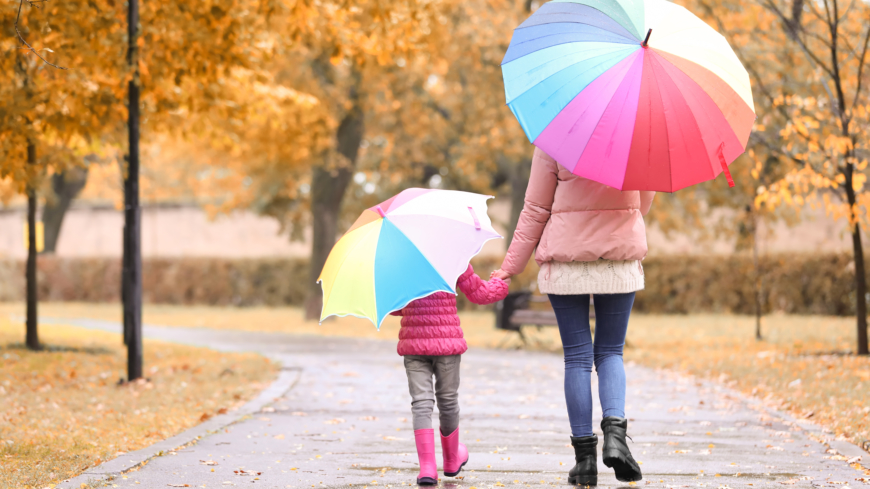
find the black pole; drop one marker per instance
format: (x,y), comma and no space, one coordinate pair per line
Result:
(645,41)
(132,288)
(32,335)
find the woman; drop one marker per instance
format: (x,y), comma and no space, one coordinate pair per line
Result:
(590,240)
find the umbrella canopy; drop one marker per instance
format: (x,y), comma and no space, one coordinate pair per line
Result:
(410,246)
(634,94)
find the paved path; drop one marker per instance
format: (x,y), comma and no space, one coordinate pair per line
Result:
(344,420)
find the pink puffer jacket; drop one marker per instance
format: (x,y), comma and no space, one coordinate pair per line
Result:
(430,326)
(570,218)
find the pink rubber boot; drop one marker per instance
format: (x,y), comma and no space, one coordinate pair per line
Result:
(426,455)
(455,454)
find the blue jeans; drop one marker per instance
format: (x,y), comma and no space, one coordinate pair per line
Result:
(611,323)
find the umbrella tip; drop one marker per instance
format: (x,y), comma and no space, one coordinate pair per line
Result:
(646,41)
(380,211)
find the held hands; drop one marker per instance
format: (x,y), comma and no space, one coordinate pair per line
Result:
(501,274)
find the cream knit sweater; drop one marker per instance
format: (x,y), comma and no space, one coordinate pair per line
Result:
(591,277)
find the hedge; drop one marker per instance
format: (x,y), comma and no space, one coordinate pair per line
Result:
(792,283)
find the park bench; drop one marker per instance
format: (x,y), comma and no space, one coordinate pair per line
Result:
(518,309)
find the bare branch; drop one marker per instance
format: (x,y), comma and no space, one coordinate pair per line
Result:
(861,63)
(21,37)
(795,32)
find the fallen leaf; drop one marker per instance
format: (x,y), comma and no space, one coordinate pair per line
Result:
(298,413)
(368,418)
(268,409)
(279,437)
(246,472)
(178,485)
(677,433)
(334,421)
(208,462)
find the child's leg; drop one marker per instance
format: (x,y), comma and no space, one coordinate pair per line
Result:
(447,391)
(420,370)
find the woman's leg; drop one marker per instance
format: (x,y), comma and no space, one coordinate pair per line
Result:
(447,392)
(611,323)
(420,370)
(572,314)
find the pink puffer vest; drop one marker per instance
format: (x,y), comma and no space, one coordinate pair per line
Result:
(430,326)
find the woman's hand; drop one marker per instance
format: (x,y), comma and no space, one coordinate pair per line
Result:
(500,274)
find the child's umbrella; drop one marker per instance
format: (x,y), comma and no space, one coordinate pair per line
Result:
(410,246)
(634,94)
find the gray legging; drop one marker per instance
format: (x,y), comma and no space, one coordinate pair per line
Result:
(420,370)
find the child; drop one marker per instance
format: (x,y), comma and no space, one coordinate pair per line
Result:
(431,342)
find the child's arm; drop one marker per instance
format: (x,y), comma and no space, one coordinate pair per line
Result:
(480,291)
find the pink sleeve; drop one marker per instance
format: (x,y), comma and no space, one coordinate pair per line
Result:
(536,212)
(646,198)
(397,313)
(481,291)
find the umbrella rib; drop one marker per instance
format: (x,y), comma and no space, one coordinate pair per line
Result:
(604,111)
(453,289)
(692,118)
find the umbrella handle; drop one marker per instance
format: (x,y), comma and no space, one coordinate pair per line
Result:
(474,216)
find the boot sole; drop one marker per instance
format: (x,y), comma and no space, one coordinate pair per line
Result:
(427,481)
(454,474)
(583,480)
(623,469)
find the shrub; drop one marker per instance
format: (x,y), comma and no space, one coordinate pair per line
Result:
(792,283)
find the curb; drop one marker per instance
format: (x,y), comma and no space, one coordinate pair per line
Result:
(106,471)
(96,476)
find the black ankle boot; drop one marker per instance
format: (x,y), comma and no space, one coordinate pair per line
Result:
(585,473)
(616,454)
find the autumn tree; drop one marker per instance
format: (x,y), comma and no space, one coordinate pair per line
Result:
(338,51)
(827,114)
(187,50)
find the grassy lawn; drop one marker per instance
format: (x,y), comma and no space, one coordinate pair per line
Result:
(62,410)
(802,366)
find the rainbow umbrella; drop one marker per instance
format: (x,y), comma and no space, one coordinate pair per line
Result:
(634,94)
(410,246)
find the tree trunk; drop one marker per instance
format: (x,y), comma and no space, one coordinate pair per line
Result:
(132,260)
(860,277)
(758,284)
(66,187)
(519,180)
(328,187)
(32,337)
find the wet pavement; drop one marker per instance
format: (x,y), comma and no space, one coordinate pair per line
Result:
(339,416)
